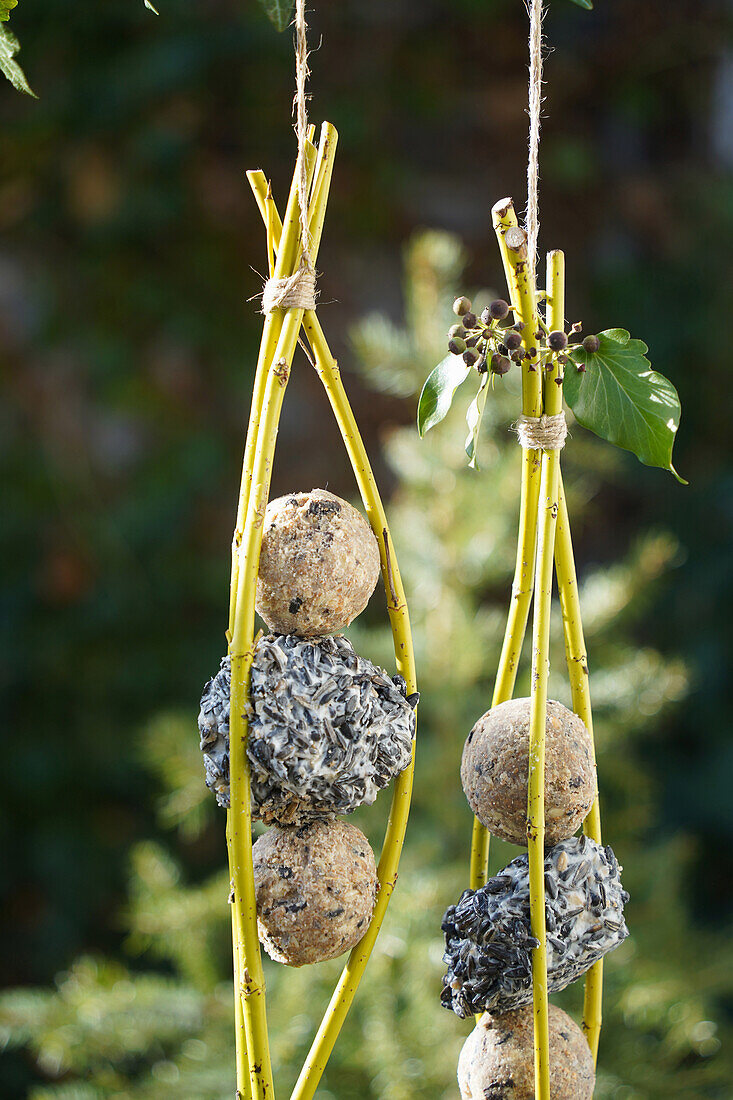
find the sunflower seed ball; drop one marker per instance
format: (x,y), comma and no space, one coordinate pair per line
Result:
(319,564)
(488,935)
(316,886)
(497,1059)
(327,729)
(495,771)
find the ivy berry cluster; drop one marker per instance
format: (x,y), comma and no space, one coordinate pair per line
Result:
(483,343)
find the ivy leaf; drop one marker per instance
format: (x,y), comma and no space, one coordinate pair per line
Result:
(279,12)
(587,4)
(473,419)
(624,401)
(150,7)
(9,47)
(6,6)
(437,393)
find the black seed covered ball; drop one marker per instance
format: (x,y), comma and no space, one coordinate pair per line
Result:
(456,346)
(316,886)
(461,306)
(327,729)
(488,934)
(591,344)
(471,356)
(513,340)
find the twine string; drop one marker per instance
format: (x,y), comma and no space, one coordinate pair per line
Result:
(536,16)
(541,433)
(297,291)
(301,123)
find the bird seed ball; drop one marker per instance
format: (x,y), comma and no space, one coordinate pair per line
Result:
(319,564)
(316,886)
(497,1059)
(489,939)
(495,771)
(327,729)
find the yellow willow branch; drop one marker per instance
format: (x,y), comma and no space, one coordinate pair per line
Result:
(244,1087)
(399,618)
(577,660)
(524,302)
(250,982)
(330,376)
(538,711)
(268,342)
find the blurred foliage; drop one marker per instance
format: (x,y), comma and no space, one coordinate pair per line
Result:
(126,239)
(131,1032)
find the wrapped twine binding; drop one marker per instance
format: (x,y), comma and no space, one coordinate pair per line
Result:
(541,433)
(297,291)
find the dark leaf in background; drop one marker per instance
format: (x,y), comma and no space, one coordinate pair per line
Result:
(622,400)
(279,12)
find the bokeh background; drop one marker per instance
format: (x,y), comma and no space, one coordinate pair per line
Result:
(130,249)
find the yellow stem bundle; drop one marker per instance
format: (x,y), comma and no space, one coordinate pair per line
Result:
(544,535)
(280,335)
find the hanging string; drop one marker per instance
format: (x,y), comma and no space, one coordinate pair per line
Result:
(536,16)
(297,291)
(301,115)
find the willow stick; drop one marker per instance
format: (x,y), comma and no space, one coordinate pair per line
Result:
(251,984)
(550,465)
(524,303)
(348,983)
(244,1086)
(328,371)
(250,1029)
(577,660)
(271,332)
(270,335)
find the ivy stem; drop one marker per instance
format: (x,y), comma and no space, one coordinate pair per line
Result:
(250,983)
(524,302)
(547,519)
(328,371)
(577,661)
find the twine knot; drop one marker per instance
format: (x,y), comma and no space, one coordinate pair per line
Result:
(542,433)
(296,291)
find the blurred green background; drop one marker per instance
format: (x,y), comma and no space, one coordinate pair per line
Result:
(130,248)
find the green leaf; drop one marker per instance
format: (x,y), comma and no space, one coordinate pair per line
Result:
(6,6)
(437,393)
(9,47)
(473,419)
(150,7)
(624,401)
(587,4)
(279,12)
